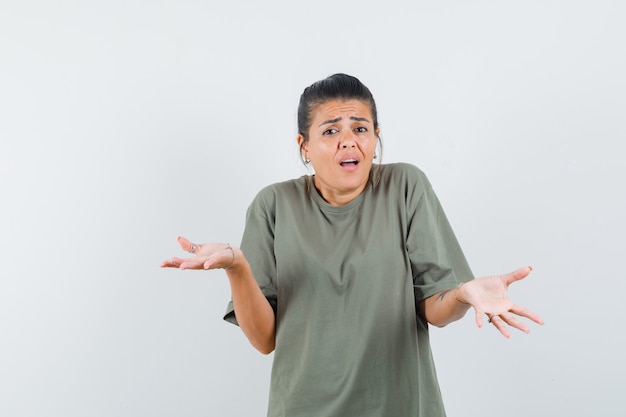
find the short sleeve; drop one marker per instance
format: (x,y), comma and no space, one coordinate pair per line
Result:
(437,261)
(257,245)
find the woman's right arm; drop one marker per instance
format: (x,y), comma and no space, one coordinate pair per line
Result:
(254,313)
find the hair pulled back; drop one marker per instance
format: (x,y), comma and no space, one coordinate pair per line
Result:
(335,87)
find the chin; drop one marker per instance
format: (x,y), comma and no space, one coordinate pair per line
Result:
(354,183)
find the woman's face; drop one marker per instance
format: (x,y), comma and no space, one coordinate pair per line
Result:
(341,146)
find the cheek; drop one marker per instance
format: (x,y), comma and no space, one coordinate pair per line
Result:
(325,149)
(368,144)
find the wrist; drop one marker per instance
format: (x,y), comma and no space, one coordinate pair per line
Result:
(458,295)
(232,252)
(237,263)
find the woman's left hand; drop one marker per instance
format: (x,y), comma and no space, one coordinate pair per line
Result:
(487,296)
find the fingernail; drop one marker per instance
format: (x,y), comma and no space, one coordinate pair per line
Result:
(530,267)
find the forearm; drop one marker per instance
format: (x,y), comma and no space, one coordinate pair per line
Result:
(254,313)
(444,307)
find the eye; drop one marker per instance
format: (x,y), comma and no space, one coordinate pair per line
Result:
(330,131)
(361,129)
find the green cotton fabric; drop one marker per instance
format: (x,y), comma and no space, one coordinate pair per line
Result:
(345,282)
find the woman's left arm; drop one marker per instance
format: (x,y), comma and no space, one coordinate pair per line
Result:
(486,295)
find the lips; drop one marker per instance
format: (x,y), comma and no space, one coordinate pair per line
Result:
(348,162)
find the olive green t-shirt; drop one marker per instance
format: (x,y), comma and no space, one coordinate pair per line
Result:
(344,282)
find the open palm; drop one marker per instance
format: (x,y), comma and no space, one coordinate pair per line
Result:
(488,296)
(204,256)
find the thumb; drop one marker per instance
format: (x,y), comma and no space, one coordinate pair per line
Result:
(184,243)
(517,275)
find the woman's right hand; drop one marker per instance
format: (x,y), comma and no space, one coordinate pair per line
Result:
(205,256)
(255,315)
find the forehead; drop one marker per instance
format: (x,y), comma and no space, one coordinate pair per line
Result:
(333,109)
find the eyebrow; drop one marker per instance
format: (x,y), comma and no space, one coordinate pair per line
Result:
(338,119)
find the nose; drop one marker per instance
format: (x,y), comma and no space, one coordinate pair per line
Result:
(347,140)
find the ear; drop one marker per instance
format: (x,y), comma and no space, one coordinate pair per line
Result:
(302,144)
(378,132)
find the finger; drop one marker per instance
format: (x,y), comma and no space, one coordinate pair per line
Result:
(193,263)
(500,324)
(176,262)
(170,263)
(187,245)
(525,312)
(214,262)
(479,318)
(513,322)
(517,275)
(221,259)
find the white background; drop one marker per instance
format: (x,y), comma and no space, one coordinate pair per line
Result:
(124,124)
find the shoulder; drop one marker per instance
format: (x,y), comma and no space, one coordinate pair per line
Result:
(402,173)
(268,196)
(401,182)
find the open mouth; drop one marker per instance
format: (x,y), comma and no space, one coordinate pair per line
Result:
(349,162)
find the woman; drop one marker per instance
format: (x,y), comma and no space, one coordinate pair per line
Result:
(340,273)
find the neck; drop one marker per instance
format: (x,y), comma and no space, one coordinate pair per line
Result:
(337,197)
